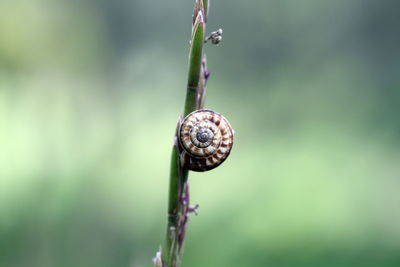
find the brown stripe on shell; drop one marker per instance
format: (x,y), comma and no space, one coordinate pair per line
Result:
(215,156)
(220,152)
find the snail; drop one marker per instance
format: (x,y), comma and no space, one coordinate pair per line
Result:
(205,139)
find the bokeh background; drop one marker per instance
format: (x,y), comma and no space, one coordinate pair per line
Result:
(90,92)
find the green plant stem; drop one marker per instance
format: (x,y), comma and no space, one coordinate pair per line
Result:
(195,58)
(178,204)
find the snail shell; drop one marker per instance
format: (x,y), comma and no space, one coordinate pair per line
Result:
(206,138)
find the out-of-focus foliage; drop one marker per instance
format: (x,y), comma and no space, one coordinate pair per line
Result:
(90,92)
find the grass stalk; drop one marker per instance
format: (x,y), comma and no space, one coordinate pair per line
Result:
(178,202)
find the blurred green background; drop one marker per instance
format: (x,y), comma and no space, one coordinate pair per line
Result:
(90,92)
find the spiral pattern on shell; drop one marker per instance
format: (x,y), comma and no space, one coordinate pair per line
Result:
(207,138)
